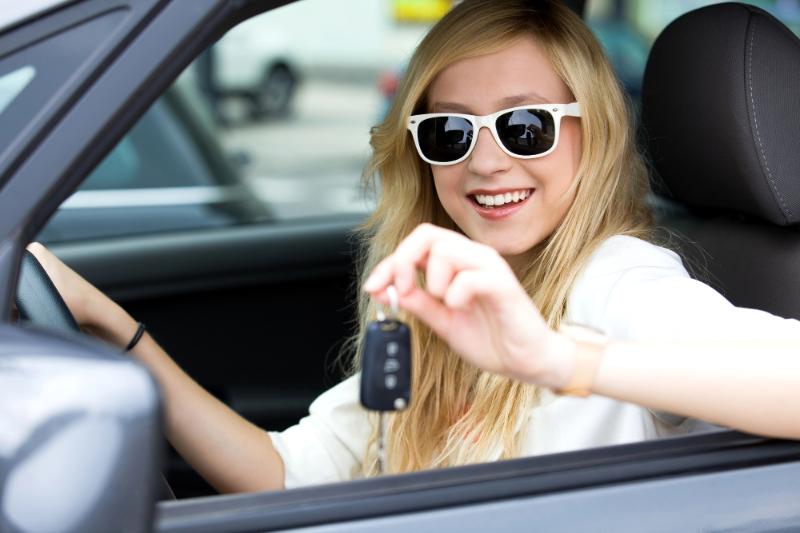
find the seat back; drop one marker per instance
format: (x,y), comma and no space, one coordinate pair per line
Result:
(721,121)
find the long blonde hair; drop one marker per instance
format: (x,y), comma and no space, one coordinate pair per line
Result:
(458,414)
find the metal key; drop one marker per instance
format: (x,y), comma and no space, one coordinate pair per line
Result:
(386,368)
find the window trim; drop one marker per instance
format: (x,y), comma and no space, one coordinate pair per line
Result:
(475,484)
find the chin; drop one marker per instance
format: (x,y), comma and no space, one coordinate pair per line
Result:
(504,241)
(506,249)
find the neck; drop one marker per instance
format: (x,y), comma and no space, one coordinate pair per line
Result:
(520,263)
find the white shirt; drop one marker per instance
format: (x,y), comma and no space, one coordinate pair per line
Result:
(630,289)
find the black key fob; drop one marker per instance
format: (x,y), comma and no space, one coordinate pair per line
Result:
(386,366)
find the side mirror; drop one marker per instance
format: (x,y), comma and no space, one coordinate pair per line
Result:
(80,436)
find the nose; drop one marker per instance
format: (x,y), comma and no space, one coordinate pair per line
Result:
(487,158)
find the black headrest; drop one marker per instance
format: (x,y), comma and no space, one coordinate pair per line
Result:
(721,112)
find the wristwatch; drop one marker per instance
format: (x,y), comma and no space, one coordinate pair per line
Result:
(590,344)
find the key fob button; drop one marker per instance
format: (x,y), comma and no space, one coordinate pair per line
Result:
(392,348)
(391,365)
(391,381)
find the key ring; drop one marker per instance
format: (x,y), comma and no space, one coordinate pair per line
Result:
(394,307)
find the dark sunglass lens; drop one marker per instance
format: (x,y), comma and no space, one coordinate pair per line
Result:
(444,139)
(527,131)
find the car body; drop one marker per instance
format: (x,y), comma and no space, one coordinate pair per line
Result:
(256,313)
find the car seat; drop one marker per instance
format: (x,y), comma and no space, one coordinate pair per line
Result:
(721,123)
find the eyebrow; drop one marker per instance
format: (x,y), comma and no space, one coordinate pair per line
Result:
(508,101)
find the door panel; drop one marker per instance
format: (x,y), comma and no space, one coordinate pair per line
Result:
(712,482)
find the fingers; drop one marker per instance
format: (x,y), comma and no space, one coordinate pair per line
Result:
(468,285)
(35,247)
(428,309)
(440,270)
(45,257)
(38,251)
(423,305)
(400,267)
(441,252)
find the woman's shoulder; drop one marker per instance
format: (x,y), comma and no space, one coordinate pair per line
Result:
(618,275)
(633,289)
(620,253)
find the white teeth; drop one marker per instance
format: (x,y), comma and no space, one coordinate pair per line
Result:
(501,199)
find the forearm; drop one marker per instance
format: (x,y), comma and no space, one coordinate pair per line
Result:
(229,452)
(754,387)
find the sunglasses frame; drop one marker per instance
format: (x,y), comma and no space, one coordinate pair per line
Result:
(558,111)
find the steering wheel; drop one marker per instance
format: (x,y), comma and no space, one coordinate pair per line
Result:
(40,303)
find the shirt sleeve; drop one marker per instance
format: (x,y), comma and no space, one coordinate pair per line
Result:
(633,290)
(329,444)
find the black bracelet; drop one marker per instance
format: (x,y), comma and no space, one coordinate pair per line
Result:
(136,337)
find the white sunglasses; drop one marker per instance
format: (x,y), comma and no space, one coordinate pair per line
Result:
(525,132)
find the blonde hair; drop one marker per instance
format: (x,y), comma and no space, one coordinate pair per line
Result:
(458,414)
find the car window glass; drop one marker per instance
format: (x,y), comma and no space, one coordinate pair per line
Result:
(270,124)
(164,175)
(628,28)
(296,90)
(13,83)
(157,152)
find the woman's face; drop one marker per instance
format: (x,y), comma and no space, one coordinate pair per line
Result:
(517,75)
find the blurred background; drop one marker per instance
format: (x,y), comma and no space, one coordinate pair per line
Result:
(272,122)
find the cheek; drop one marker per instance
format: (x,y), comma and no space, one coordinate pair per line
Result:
(560,167)
(446,181)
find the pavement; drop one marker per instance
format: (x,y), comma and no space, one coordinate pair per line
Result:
(310,162)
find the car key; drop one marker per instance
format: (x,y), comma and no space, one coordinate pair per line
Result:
(386,368)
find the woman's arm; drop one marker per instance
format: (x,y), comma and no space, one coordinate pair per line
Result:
(473,301)
(751,386)
(229,452)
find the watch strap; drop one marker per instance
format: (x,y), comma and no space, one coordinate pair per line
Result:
(590,346)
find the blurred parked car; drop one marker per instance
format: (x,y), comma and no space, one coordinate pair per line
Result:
(263,61)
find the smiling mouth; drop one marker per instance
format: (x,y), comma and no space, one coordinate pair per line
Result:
(493,201)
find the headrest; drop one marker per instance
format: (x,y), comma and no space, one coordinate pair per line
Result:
(721,112)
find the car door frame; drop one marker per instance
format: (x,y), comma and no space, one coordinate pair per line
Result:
(549,493)
(85,119)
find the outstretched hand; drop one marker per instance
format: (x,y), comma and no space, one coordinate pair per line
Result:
(473,301)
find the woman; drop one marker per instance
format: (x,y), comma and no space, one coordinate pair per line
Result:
(535,219)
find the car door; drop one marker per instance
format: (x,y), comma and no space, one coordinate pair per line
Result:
(235,303)
(253,299)
(717,481)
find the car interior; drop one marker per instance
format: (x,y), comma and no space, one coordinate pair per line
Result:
(721,128)
(259,314)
